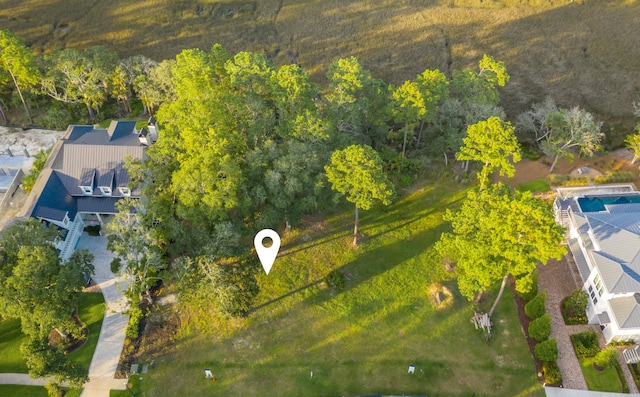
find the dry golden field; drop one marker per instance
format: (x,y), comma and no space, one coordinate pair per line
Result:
(581,52)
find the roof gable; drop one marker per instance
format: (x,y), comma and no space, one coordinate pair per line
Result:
(626,311)
(54,196)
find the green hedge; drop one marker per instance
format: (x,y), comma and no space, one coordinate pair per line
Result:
(615,177)
(552,374)
(540,328)
(574,307)
(547,351)
(585,344)
(535,308)
(566,180)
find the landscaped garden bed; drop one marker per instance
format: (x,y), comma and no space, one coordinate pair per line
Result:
(600,368)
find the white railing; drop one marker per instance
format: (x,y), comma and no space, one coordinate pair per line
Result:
(72,239)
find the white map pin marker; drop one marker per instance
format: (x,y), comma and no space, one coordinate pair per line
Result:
(267,255)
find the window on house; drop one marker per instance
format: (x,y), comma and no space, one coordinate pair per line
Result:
(598,284)
(592,293)
(87,190)
(106,191)
(125,191)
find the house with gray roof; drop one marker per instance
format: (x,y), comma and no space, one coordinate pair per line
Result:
(84,178)
(604,238)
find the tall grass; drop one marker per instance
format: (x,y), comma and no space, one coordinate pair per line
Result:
(581,52)
(358,339)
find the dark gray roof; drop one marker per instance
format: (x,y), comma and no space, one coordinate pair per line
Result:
(119,129)
(87,177)
(106,178)
(97,151)
(626,311)
(54,196)
(104,205)
(76,131)
(50,213)
(86,156)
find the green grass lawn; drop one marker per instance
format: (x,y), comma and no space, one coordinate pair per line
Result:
(92,313)
(31,391)
(91,308)
(606,380)
(11,338)
(361,339)
(535,186)
(135,383)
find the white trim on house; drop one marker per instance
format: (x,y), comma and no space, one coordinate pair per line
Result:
(604,238)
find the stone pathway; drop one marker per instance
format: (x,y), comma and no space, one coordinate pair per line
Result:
(560,278)
(557,278)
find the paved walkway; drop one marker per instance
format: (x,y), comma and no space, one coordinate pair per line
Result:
(560,278)
(112,335)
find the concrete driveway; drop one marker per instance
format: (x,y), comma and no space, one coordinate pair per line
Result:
(112,335)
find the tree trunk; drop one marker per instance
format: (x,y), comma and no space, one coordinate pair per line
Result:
(63,334)
(420,134)
(446,158)
(24,103)
(355,229)
(3,116)
(495,304)
(635,158)
(554,163)
(90,110)
(404,143)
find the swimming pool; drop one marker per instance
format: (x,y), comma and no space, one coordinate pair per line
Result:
(597,203)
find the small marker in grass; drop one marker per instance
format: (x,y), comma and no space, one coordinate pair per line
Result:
(267,255)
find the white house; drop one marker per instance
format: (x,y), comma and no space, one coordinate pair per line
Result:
(604,238)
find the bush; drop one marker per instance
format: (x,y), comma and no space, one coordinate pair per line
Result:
(336,279)
(540,328)
(93,230)
(585,344)
(527,296)
(547,351)
(577,182)
(133,328)
(607,357)
(574,307)
(552,374)
(558,179)
(38,164)
(535,308)
(615,177)
(566,180)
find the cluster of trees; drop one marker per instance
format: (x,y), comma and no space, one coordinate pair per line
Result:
(87,78)
(41,290)
(497,232)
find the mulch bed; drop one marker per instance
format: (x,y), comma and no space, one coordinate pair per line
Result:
(524,323)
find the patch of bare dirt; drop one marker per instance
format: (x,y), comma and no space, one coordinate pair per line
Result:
(528,170)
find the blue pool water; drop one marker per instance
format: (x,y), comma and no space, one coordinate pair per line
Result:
(595,203)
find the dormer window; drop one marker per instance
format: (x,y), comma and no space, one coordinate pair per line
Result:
(106,191)
(125,191)
(86,190)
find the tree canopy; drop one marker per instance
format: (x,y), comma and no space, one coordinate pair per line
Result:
(357,173)
(18,61)
(494,144)
(499,232)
